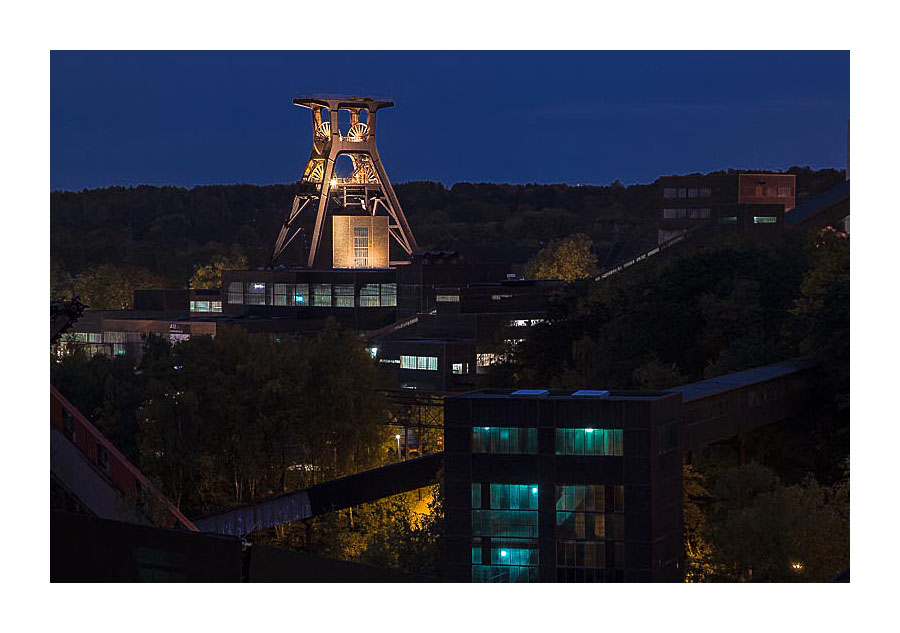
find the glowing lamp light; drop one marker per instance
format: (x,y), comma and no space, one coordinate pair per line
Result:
(487,428)
(589,430)
(333,182)
(503,553)
(797,566)
(534,490)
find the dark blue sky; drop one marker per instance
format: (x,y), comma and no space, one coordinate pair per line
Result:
(188,118)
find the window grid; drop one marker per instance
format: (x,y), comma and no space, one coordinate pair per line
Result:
(369,296)
(388,295)
(504,440)
(344,296)
(361,246)
(322,295)
(588,441)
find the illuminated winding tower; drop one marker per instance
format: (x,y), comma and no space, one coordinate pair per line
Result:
(346,183)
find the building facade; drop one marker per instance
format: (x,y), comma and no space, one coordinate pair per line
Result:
(546,486)
(754,205)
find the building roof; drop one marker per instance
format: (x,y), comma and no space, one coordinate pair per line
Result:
(815,205)
(727,382)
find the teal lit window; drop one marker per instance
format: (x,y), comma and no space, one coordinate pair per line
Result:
(476,551)
(764,219)
(728,219)
(589,441)
(514,552)
(507,523)
(499,439)
(476,495)
(301,295)
(504,573)
(514,496)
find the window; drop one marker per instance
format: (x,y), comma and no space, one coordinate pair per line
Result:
(360,246)
(368,296)
(705,192)
(504,440)
(322,295)
(201,306)
(692,192)
(388,295)
(301,295)
(784,192)
(460,368)
(588,519)
(506,534)
(764,219)
(344,296)
(589,441)
(215,306)
(670,192)
(235,292)
(447,298)
(255,294)
(728,219)
(699,214)
(484,573)
(428,363)
(283,294)
(674,214)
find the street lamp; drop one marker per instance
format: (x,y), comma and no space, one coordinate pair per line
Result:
(397,437)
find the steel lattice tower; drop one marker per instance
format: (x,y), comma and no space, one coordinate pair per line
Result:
(366,189)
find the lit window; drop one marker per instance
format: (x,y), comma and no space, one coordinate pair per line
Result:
(322,295)
(344,296)
(504,440)
(457,368)
(705,192)
(670,192)
(388,295)
(418,362)
(235,292)
(589,441)
(192,306)
(301,295)
(216,306)
(255,294)
(369,296)
(728,219)
(360,246)
(764,219)
(447,298)
(283,294)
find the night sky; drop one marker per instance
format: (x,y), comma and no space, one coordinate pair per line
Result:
(189,118)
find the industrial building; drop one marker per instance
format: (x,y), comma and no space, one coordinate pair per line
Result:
(753,205)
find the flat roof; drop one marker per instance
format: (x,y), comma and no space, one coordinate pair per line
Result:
(727,382)
(563,394)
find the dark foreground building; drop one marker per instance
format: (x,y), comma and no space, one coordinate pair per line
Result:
(586,486)
(545,486)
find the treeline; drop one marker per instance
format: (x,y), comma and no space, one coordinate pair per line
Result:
(168,231)
(218,422)
(726,307)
